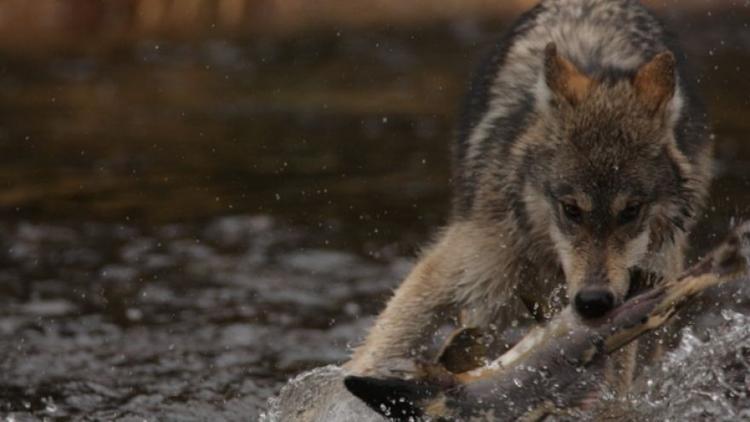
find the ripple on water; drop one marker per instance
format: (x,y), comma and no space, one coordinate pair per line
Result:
(180,322)
(194,322)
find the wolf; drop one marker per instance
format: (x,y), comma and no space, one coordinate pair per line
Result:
(582,162)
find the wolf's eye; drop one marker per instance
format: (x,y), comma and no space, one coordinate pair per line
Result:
(630,213)
(572,211)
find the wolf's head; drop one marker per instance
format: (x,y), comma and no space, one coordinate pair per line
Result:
(605,178)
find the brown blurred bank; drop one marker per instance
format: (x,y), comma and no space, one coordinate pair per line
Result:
(40,24)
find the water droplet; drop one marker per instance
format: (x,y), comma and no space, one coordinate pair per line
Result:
(49,405)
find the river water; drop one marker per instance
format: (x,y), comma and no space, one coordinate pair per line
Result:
(186,225)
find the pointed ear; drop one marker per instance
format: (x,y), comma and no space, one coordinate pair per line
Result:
(564,78)
(655,81)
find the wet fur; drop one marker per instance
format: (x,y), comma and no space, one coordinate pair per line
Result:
(506,248)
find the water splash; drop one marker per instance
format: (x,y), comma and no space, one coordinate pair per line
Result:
(702,379)
(317,395)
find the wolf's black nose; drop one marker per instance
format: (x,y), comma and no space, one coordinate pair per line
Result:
(593,303)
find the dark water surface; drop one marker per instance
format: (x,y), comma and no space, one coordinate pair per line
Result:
(186,225)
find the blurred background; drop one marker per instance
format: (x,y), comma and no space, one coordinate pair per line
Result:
(201,198)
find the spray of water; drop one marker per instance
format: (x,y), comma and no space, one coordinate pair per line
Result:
(701,380)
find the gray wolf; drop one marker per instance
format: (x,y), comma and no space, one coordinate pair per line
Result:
(583,160)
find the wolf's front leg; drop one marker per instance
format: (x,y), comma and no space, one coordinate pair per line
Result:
(463,258)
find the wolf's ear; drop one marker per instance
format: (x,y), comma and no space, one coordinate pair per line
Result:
(655,81)
(563,77)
